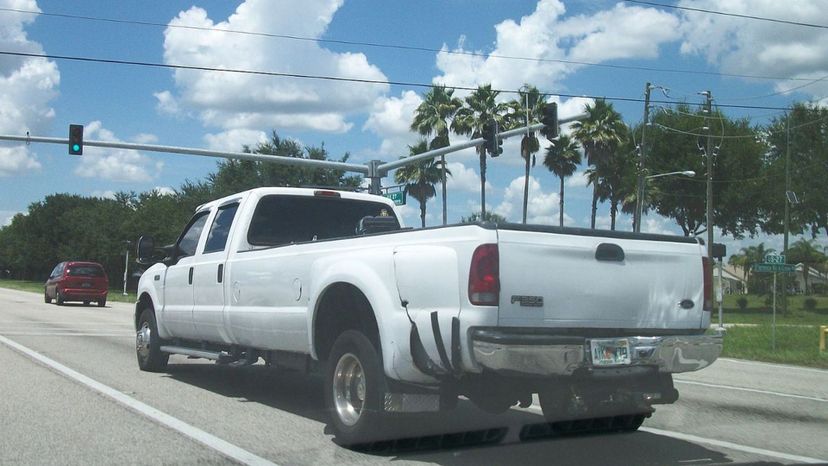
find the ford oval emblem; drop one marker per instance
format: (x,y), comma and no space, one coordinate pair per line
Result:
(687,304)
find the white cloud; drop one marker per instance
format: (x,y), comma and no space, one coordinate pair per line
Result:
(27,85)
(234,140)
(464,179)
(542,207)
(166,103)
(164,190)
(544,35)
(390,119)
(741,46)
(6,217)
(107,194)
(253,102)
(659,225)
(145,138)
(577,180)
(114,164)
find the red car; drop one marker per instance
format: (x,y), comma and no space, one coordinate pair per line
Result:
(77,281)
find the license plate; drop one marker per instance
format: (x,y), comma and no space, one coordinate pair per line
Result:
(610,352)
(86,285)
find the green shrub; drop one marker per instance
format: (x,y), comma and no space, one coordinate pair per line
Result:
(742,302)
(809,304)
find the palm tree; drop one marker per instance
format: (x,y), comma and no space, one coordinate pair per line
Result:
(528,107)
(420,178)
(599,133)
(755,255)
(480,107)
(432,118)
(619,175)
(600,188)
(562,159)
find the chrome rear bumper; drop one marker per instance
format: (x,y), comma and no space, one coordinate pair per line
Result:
(546,355)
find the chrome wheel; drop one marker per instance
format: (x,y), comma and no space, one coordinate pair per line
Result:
(142,341)
(349,389)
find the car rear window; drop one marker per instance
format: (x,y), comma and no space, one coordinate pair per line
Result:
(282,220)
(85,271)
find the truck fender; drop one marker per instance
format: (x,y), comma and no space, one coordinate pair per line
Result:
(373,275)
(150,287)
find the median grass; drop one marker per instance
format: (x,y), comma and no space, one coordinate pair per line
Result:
(37,287)
(794,345)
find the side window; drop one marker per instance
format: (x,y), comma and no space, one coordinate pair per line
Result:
(217,238)
(55,271)
(189,239)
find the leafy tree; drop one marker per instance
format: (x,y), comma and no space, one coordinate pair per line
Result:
(808,164)
(618,175)
(527,108)
(674,141)
(432,118)
(490,217)
(600,134)
(419,178)
(758,283)
(480,107)
(239,175)
(562,158)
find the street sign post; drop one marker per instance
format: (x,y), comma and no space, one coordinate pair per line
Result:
(775,264)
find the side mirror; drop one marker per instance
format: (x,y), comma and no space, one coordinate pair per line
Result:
(146,250)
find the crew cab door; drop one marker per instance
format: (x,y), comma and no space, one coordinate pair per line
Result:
(209,284)
(177,314)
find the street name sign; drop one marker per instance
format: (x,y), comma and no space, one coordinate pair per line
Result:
(397,196)
(774,268)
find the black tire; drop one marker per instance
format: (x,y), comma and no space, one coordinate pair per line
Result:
(102,302)
(367,421)
(86,303)
(148,344)
(46,298)
(59,299)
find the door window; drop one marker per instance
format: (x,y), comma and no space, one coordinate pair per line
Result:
(189,239)
(220,230)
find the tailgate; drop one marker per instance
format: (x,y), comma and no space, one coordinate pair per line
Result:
(562,277)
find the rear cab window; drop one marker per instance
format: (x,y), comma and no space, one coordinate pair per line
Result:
(285,219)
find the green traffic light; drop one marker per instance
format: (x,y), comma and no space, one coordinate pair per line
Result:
(76,147)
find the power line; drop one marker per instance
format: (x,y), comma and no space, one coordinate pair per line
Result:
(735,15)
(336,78)
(405,47)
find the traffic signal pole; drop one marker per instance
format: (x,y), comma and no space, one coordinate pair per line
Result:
(374,170)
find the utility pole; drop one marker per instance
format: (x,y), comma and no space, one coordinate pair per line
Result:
(787,208)
(639,198)
(709,152)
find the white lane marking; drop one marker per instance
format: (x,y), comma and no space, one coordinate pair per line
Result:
(732,446)
(752,390)
(222,446)
(67,334)
(723,444)
(777,366)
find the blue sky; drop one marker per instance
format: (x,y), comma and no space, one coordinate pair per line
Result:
(224,111)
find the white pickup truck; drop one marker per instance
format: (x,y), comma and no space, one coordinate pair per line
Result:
(400,320)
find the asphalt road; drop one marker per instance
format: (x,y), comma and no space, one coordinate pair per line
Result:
(71,393)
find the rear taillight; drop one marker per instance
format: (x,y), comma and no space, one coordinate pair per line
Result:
(484,276)
(708,284)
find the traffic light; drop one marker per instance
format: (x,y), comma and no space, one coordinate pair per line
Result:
(550,120)
(75,139)
(492,142)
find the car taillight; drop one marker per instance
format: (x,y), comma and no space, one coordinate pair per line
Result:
(708,285)
(484,276)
